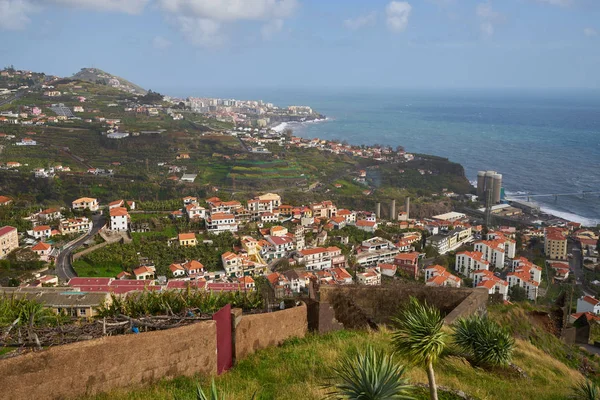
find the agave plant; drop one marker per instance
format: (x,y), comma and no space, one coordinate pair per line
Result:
(586,390)
(371,375)
(484,340)
(420,339)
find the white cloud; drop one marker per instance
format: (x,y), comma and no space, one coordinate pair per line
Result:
(14,14)
(124,6)
(590,32)
(204,22)
(271,28)
(201,31)
(161,43)
(397,15)
(231,10)
(488,18)
(561,3)
(361,21)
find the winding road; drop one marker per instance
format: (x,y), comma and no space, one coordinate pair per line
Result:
(64,267)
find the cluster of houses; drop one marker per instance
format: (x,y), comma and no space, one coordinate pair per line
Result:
(491,261)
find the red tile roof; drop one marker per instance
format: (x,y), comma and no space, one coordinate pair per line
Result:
(6,229)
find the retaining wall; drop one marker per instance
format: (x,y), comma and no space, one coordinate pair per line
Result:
(258,331)
(100,365)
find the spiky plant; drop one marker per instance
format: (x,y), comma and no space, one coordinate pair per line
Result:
(420,339)
(213,394)
(487,342)
(586,390)
(370,375)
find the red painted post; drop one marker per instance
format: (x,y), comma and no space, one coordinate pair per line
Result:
(224,340)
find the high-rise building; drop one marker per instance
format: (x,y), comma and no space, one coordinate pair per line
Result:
(489,181)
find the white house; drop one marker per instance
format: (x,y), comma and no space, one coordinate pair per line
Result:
(177,270)
(371,277)
(43,250)
(221,222)
(84,203)
(436,275)
(315,259)
(119,219)
(41,232)
(588,304)
(194,211)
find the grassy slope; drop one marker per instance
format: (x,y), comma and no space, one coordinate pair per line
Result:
(299,370)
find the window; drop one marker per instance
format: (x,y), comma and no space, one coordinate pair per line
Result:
(82,312)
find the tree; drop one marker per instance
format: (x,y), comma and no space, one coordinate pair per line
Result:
(371,375)
(487,342)
(517,293)
(419,338)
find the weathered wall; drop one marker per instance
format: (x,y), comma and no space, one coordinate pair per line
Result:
(476,301)
(361,306)
(257,331)
(100,365)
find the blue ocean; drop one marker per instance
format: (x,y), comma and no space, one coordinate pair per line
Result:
(542,142)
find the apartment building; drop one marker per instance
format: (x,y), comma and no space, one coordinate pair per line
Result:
(469,261)
(221,222)
(493,251)
(74,225)
(9,240)
(555,243)
(484,278)
(376,251)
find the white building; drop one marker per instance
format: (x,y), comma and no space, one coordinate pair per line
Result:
(493,251)
(221,222)
(376,251)
(469,261)
(494,285)
(588,304)
(119,219)
(436,275)
(371,277)
(41,232)
(84,203)
(315,259)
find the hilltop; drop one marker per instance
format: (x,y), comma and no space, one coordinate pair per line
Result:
(98,76)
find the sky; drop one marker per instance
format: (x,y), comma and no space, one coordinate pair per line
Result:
(179,44)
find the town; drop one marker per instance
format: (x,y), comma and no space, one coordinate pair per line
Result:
(289,245)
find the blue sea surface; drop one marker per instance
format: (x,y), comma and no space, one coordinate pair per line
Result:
(542,142)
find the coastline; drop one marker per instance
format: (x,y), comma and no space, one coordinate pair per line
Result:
(282,126)
(564,215)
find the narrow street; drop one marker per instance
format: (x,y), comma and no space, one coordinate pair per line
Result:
(64,268)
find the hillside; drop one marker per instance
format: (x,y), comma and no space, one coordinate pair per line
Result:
(101,77)
(300,368)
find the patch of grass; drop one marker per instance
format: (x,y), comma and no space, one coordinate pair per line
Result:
(301,368)
(108,270)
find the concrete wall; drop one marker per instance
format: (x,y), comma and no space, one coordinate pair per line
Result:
(89,250)
(476,301)
(258,331)
(100,365)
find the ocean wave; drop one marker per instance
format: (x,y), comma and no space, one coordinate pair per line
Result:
(591,222)
(280,127)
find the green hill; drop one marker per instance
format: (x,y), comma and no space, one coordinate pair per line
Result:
(98,76)
(300,368)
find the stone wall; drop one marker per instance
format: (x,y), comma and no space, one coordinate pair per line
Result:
(100,365)
(258,331)
(361,306)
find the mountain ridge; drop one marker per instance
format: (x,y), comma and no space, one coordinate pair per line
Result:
(97,75)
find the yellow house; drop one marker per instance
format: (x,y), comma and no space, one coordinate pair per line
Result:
(187,239)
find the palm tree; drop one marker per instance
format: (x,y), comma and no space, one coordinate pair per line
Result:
(371,375)
(484,340)
(586,390)
(419,338)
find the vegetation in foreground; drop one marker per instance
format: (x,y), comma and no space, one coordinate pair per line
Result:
(302,369)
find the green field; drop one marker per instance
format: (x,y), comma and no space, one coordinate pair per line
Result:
(107,269)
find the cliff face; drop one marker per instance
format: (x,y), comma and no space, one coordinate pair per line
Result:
(429,209)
